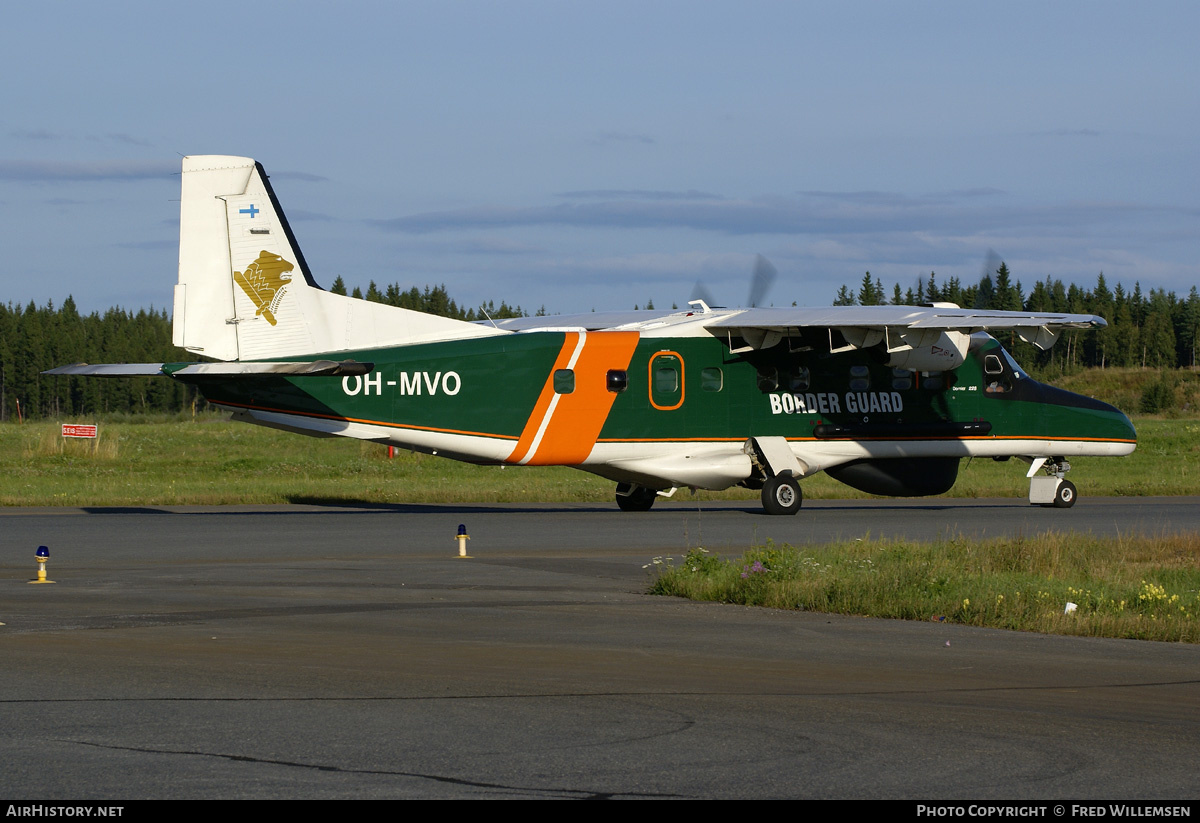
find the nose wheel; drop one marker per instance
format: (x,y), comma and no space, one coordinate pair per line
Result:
(1051,490)
(1064,497)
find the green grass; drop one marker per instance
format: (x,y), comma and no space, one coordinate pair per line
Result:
(1127,388)
(1133,587)
(210,461)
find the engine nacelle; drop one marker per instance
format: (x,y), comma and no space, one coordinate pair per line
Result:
(912,349)
(898,477)
(927,350)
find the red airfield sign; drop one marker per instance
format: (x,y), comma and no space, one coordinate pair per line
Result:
(78,430)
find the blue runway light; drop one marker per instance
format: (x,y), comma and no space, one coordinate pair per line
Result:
(462,537)
(42,557)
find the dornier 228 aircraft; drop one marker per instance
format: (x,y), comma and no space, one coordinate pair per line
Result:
(886,399)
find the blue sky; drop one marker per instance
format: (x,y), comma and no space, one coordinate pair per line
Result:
(597,155)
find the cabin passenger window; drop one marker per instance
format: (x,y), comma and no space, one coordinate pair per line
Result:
(666,380)
(564,381)
(768,380)
(901,379)
(860,378)
(933,380)
(711,379)
(800,380)
(617,380)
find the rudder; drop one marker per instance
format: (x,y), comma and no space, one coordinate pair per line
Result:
(245,291)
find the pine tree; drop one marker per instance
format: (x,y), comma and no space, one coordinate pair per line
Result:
(844,297)
(869,293)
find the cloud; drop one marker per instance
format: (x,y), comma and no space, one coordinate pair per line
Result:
(299,175)
(637,194)
(493,245)
(151,245)
(47,171)
(46,134)
(980,192)
(899,199)
(35,134)
(606,137)
(1067,133)
(128,139)
(300,215)
(820,213)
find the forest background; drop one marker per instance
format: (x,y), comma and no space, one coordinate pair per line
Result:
(1156,331)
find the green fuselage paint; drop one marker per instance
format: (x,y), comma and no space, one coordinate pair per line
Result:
(690,389)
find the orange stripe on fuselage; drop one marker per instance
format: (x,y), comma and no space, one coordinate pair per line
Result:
(570,340)
(576,419)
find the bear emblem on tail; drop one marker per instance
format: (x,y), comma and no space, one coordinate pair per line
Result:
(264,281)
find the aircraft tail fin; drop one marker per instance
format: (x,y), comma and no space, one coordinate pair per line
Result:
(245,291)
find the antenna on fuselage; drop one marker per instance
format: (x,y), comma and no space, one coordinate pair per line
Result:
(488,316)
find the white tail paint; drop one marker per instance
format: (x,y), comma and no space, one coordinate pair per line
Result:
(245,292)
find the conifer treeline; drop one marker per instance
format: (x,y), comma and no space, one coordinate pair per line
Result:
(33,339)
(1159,330)
(434,300)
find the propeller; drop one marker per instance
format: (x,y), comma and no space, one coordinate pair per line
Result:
(991,262)
(701,292)
(762,278)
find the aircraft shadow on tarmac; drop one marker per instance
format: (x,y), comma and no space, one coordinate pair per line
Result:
(339,506)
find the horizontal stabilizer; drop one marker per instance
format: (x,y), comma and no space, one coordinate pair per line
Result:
(316,368)
(111,369)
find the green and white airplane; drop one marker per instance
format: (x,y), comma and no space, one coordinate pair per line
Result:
(887,399)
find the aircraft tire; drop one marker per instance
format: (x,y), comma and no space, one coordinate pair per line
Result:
(1066,495)
(639,500)
(781,495)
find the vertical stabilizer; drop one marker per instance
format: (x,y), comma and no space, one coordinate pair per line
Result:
(245,291)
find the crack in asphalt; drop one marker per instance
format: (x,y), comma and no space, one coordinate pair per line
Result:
(550,695)
(580,794)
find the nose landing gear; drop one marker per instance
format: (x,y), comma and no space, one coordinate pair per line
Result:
(1052,490)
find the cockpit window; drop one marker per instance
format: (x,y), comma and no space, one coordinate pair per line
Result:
(999,372)
(1012,364)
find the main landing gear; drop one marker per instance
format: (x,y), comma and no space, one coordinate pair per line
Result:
(631,498)
(776,470)
(1052,490)
(781,494)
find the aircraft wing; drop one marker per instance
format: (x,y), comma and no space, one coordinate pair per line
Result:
(588,321)
(316,368)
(763,327)
(910,317)
(864,323)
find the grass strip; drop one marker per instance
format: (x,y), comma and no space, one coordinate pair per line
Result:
(1137,587)
(212,461)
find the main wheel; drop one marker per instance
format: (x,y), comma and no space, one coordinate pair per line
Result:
(638,500)
(781,495)
(1064,498)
